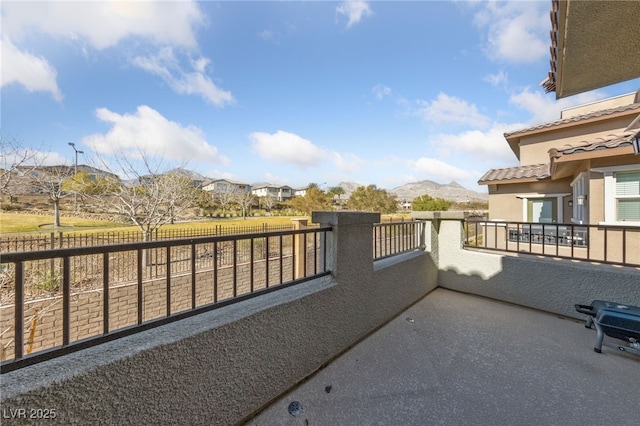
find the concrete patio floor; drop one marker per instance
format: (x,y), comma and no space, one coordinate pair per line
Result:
(458,359)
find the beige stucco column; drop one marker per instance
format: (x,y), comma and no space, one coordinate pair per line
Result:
(300,246)
(350,242)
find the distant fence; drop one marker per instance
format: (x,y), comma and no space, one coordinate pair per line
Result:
(57,240)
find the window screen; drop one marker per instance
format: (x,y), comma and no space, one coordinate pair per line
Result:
(628,195)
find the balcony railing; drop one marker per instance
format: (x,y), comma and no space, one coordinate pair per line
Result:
(54,240)
(605,244)
(59,301)
(390,239)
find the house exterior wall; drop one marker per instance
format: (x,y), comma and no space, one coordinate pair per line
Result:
(534,148)
(505,204)
(616,101)
(225,186)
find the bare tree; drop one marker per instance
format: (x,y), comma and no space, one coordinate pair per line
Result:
(13,156)
(268,202)
(49,180)
(225,197)
(146,197)
(245,199)
(181,193)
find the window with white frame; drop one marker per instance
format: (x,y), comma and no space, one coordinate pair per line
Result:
(628,196)
(621,194)
(579,186)
(541,208)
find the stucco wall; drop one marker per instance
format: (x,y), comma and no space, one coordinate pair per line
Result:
(534,147)
(219,367)
(540,283)
(504,203)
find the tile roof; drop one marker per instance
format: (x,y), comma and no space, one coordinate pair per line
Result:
(549,83)
(532,171)
(577,118)
(609,142)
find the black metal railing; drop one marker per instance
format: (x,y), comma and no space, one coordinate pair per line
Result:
(60,239)
(63,300)
(390,239)
(618,245)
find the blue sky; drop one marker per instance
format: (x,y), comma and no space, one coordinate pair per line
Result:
(285,92)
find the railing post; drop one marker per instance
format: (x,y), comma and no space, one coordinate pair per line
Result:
(300,254)
(349,245)
(444,233)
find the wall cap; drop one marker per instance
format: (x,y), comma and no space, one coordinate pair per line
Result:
(345,218)
(440,215)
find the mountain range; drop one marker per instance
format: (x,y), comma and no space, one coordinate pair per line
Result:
(451,191)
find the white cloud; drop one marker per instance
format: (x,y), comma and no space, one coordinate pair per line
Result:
(479,145)
(380,91)
(347,163)
(354,10)
(34,73)
(219,174)
(149,132)
(437,170)
(275,179)
(500,79)
(289,148)
(268,35)
(449,109)
(167,66)
(32,157)
(544,107)
(105,24)
(517,31)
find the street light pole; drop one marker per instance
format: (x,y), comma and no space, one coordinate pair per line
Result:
(75,172)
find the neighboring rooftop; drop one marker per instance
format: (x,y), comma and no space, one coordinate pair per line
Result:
(458,359)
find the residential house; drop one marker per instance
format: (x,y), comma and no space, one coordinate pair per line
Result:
(300,192)
(220,186)
(280,193)
(583,168)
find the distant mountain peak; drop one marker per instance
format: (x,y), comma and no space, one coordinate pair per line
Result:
(452,191)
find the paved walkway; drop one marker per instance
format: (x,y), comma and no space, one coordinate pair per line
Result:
(456,359)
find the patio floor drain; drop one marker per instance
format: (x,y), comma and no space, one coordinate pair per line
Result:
(295,408)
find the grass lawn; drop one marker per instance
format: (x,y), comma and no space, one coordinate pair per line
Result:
(18,223)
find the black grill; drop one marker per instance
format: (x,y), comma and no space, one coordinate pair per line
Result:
(614,320)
